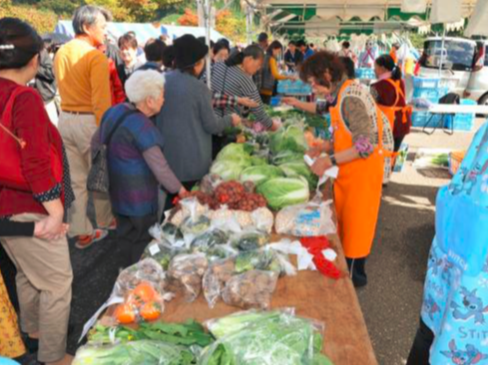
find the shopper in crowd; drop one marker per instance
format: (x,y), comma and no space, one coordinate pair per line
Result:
(359,150)
(453,328)
(45,83)
(220,52)
(83,77)
(154,50)
(293,57)
(39,194)
(116,87)
(389,93)
(394,52)
(135,161)
(169,58)
(187,120)
(271,72)
(263,41)
(304,49)
(347,52)
(128,47)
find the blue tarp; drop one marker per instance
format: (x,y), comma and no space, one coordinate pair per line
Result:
(144,31)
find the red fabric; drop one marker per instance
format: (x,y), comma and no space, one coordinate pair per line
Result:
(30,123)
(315,246)
(387,96)
(116,87)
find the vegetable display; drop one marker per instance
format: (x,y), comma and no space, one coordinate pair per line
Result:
(260,174)
(264,338)
(186,272)
(290,138)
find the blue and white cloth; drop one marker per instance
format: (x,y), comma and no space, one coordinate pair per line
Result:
(455,303)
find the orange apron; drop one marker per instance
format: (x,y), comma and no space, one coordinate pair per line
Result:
(390,111)
(358,188)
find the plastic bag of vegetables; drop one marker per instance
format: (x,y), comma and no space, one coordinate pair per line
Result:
(250,240)
(221,272)
(162,252)
(146,270)
(186,272)
(283,192)
(252,289)
(313,218)
(144,352)
(264,338)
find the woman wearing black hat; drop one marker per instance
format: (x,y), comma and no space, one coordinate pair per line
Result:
(187,120)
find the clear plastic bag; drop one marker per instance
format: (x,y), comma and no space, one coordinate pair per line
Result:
(313,218)
(162,252)
(252,289)
(146,270)
(186,272)
(215,279)
(250,240)
(263,338)
(142,352)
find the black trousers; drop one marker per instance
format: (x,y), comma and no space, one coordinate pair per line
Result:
(420,352)
(398,143)
(133,236)
(266,99)
(357,268)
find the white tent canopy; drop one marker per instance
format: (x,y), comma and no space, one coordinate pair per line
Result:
(363,9)
(478,24)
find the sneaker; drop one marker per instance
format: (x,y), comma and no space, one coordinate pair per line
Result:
(85,241)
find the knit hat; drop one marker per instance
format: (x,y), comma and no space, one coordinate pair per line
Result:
(188,51)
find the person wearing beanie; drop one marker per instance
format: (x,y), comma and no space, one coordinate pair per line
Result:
(187,120)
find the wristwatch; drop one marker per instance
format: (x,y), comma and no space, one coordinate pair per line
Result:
(333,160)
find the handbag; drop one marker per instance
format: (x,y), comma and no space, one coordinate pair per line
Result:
(11,174)
(98,179)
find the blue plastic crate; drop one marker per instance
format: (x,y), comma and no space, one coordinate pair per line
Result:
(420,119)
(289,87)
(365,73)
(426,83)
(432,95)
(275,101)
(462,121)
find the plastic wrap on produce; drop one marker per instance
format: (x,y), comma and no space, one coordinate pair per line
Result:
(252,289)
(264,338)
(314,218)
(186,272)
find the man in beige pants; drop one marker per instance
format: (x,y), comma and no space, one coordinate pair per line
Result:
(82,74)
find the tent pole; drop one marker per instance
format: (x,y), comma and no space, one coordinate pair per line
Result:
(208,28)
(442,50)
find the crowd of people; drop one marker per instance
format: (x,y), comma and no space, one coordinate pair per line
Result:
(149,111)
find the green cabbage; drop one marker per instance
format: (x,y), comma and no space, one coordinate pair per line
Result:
(260,174)
(233,152)
(286,157)
(289,139)
(300,169)
(228,170)
(283,192)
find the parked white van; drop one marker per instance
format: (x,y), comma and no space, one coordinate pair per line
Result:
(457,57)
(477,88)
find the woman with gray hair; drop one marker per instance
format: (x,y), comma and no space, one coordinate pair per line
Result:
(136,163)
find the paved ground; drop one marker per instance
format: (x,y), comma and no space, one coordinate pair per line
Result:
(391,302)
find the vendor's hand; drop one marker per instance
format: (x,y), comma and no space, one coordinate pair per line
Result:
(247,102)
(315,152)
(236,120)
(321,165)
(50,228)
(276,125)
(290,101)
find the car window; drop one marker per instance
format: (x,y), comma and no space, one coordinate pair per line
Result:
(457,56)
(486,56)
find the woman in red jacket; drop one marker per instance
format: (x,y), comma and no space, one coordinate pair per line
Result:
(44,274)
(389,93)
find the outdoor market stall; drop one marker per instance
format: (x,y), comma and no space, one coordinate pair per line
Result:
(266,259)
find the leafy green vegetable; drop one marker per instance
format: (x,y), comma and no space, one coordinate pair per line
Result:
(288,139)
(260,174)
(235,152)
(283,192)
(267,338)
(209,239)
(250,241)
(296,169)
(144,352)
(228,169)
(287,157)
(264,260)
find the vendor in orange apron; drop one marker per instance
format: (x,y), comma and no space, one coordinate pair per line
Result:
(357,149)
(389,93)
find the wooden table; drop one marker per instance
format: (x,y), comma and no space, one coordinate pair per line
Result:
(313,296)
